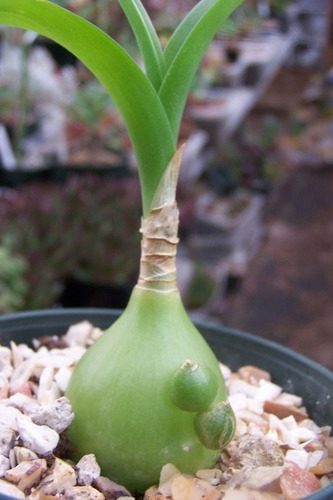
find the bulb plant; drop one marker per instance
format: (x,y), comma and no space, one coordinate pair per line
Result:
(150,391)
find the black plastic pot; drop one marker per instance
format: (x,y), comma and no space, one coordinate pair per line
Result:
(83,294)
(293,372)
(60,173)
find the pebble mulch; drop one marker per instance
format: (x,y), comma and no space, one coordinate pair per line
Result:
(278,452)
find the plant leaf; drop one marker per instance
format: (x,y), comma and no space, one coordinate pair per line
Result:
(182,31)
(147,40)
(131,91)
(185,52)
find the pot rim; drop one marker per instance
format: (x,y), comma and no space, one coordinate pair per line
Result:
(78,314)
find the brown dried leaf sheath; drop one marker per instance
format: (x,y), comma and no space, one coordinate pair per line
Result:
(160,235)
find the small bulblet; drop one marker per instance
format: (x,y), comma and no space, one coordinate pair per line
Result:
(193,386)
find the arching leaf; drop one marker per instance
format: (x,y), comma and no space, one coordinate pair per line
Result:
(185,52)
(133,94)
(147,40)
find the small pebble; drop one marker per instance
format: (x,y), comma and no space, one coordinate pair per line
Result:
(88,470)
(38,438)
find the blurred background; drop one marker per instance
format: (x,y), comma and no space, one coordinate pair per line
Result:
(256,185)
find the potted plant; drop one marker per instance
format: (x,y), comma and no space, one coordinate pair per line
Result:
(152,364)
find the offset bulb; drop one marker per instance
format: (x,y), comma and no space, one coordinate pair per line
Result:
(193,387)
(216,426)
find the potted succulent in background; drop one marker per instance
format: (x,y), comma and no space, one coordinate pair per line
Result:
(93,245)
(150,390)
(32,100)
(95,134)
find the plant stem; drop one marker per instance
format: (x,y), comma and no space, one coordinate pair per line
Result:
(160,235)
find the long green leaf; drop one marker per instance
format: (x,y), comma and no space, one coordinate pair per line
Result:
(147,40)
(184,28)
(133,94)
(186,51)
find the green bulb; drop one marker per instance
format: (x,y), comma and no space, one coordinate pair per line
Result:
(131,388)
(120,394)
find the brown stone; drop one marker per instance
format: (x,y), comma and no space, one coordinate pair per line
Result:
(325,466)
(283,411)
(252,374)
